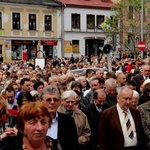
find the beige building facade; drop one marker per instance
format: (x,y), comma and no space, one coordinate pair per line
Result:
(30,30)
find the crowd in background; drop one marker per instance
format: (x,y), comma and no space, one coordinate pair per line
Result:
(75,103)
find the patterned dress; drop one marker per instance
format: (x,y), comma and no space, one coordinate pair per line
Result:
(144,110)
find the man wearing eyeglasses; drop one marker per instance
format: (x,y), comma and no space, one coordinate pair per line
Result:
(63,129)
(110,88)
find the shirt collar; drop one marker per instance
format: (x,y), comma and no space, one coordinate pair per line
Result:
(56,118)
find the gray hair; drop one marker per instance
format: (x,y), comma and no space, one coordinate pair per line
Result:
(49,89)
(68,94)
(81,78)
(110,82)
(52,77)
(124,88)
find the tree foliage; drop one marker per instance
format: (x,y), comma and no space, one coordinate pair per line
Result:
(126,22)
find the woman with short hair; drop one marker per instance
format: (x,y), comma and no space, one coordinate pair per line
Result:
(33,123)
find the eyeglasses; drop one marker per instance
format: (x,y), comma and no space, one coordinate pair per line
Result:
(50,100)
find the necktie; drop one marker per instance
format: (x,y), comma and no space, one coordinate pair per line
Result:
(129,130)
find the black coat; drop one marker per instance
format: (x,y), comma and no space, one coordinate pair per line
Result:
(137,80)
(94,119)
(67,132)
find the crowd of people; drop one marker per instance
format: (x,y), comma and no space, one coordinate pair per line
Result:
(52,108)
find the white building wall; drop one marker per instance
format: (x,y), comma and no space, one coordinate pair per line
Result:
(80,35)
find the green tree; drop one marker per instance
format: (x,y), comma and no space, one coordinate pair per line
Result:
(126,22)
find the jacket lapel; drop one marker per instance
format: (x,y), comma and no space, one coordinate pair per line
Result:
(116,119)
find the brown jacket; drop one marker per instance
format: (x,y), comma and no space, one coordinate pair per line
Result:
(110,131)
(82,125)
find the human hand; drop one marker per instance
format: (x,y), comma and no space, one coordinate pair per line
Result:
(11,131)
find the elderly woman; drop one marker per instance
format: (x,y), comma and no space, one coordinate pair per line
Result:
(33,123)
(144,110)
(135,99)
(82,125)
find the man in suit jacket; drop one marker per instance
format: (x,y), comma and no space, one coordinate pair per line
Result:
(113,133)
(63,128)
(93,113)
(145,75)
(95,83)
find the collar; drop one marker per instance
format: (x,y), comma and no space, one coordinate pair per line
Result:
(98,109)
(121,110)
(56,118)
(66,111)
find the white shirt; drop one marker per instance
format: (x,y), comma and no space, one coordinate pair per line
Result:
(53,130)
(86,92)
(145,78)
(11,105)
(127,140)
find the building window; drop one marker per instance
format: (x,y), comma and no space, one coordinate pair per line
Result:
(130,12)
(90,21)
(75,46)
(32,21)
(48,22)
(100,20)
(75,18)
(16,20)
(0,20)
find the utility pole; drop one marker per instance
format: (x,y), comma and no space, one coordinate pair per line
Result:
(142,25)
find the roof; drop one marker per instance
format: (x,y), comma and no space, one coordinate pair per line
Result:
(35,2)
(88,3)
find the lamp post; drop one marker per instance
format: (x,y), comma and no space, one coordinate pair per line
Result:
(142,25)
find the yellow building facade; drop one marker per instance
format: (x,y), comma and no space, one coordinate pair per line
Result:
(28,30)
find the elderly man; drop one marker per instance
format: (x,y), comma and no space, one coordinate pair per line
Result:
(83,82)
(54,80)
(63,129)
(110,88)
(100,73)
(95,83)
(120,126)
(93,113)
(145,75)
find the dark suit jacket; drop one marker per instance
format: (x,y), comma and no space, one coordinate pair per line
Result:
(88,99)
(110,131)
(137,80)
(93,118)
(67,132)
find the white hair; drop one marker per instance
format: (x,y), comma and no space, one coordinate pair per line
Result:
(68,94)
(136,94)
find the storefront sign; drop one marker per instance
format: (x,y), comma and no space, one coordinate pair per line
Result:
(24,42)
(47,42)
